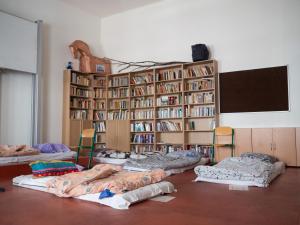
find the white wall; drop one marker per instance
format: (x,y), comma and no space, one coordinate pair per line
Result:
(241,34)
(62,25)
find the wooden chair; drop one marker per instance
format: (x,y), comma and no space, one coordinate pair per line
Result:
(87,133)
(223,132)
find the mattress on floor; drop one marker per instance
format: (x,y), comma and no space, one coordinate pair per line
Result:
(118,201)
(173,160)
(240,171)
(203,161)
(41,156)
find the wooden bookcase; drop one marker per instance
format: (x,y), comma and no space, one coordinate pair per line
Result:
(167,108)
(84,106)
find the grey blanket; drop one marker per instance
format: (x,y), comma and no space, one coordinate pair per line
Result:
(172,160)
(240,169)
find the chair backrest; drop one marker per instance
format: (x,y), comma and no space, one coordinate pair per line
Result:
(88,133)
(223,131)
(223,135)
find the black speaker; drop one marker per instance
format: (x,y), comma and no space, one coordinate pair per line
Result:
(199,52)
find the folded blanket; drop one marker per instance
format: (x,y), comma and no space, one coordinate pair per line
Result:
(52,168)
(238,168)
(17,150)
(52,148)
(100,177)
(171,160)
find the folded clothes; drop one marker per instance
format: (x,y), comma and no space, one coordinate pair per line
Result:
(52,168)
(17,150)
(52,148)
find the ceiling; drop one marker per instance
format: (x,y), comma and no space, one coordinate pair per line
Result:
(104,8)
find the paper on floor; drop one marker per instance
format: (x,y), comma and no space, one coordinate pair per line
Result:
(163,198)
(233,187)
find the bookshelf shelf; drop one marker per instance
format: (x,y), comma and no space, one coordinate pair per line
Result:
(200,90)
(173,93)
(133,143)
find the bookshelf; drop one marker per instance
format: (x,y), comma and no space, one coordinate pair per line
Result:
(84,106)
(167,108)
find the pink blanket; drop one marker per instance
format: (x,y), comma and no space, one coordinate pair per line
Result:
(100,177)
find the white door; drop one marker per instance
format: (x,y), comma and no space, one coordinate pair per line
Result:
(16,107)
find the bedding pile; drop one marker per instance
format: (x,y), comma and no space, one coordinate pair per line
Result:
(249,169)
(172,160)
(52,168)
(126,187)
(25,154)
(17,150)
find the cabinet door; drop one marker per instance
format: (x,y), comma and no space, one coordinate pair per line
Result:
(111,134)
(243,142)
(284,140)
(262,140)
(298,145)
(123,135)
(75,130)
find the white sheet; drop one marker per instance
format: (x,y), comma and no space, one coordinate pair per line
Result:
(120,201)
(32,158)
(279,168)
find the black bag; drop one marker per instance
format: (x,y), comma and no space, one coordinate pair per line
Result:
(199,52)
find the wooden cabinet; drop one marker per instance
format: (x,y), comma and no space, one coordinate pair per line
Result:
(118,135)
(262,140)
(243,141)
(298,145)
(279,142)
(284,145)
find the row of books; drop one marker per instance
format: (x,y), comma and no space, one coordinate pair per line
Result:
(118,104)
(145,90)
(99,126)
(100,93)
(75,91)
(99,82)
(199,71)
(199,111)
(137,149)
(168,74)
(141,126)
(142,79)
(118,81)
(80,79)
(80,103)
(99,115)
(120,115)
(170,112)
(169,148)
(193,125)
(142,102)
(79,114)
(143,138)
(118,93)
(205,150)
(99,105)
(142,114)
(164,88)
(198,85)
(169,100)
(166,126)
(199,98)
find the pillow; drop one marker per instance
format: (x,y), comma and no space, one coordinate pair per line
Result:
(51,148)
(263,157)
(52,168)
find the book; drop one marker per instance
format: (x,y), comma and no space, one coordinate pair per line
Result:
(120,115)
(170,74)
(142,138)
(199,111)
(166,88)
(141,126)
(165,126)
(99,126)
(199,98)
(143,78)
(142,102)
(118,81)
(170,112)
